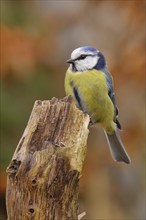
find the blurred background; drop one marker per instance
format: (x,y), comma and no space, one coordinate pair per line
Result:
(37,38)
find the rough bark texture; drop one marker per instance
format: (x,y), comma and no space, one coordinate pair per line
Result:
(43,175)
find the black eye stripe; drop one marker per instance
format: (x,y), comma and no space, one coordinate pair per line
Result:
(82,57)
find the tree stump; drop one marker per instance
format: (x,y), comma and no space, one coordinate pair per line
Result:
(43,175)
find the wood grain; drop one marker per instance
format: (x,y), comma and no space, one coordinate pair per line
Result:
(43,175)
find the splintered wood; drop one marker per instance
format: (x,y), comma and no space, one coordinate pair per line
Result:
(43,175)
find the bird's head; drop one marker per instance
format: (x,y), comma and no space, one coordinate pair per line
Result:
(86,58)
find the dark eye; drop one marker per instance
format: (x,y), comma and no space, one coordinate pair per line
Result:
(82,57)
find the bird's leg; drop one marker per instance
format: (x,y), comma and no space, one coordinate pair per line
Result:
(91,123)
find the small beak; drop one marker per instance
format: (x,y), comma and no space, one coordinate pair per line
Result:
(70,61)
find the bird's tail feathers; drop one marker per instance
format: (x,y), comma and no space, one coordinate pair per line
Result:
(117,148)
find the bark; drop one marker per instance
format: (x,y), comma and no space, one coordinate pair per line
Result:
(43,175)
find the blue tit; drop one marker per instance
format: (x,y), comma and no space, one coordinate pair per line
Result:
(90,83)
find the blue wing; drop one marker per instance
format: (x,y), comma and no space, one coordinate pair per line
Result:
(111,94)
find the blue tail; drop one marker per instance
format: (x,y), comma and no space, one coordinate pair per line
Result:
(117,148)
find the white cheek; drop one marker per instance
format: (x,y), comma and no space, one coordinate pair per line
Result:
(90,62)
(87,63)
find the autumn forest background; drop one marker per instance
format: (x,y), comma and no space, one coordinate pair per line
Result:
(37,38)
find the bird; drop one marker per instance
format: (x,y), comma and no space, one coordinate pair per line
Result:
(90,83)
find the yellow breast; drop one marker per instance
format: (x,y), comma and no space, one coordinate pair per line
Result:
(93,92)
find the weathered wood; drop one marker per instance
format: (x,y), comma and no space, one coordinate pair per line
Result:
(43,175)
